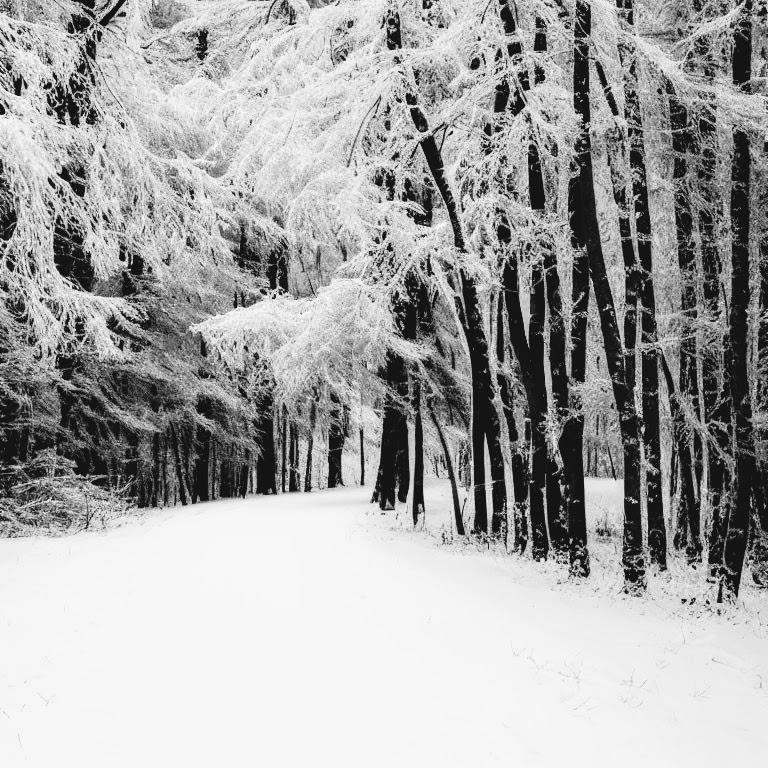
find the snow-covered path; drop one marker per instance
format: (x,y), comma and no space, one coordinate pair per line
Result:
(304,632)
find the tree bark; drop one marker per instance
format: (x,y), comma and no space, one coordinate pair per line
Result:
(738,326)
(657,534)
(585,208)
(418,465)
(519,464)
(336,436)
(451,474)
(310,445)
(266,464)
(179,467)
(690,459)
(293,458)
(687,472)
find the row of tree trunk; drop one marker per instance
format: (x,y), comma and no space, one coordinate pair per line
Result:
(548,477)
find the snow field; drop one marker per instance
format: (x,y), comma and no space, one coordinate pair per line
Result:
(312,631)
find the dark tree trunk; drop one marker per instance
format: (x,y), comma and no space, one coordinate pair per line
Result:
(156,471)
(203,454)
(394,423)
(632,276)
(760,548)
(266,464)
(585,238)
(715,382)
(284,449)
(336,435)
(687,473)
(586,212)
(310,445)
(738,326)
(245,472)
(179,467)
(536,400)
(293,458)
(362,456)
(418,465)
(229,484)
(403,460)
(657,534)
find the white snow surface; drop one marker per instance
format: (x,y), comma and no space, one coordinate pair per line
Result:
(313,631)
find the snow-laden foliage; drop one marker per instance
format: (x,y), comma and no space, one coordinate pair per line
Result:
(137,196)
(338,339)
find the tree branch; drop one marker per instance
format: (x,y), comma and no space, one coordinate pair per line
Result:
(109,15)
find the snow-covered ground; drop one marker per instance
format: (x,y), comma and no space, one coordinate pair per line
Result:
(313,631)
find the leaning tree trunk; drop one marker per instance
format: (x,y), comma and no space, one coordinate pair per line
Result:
(486,425)
(586,210)
(451,474)
(738,326)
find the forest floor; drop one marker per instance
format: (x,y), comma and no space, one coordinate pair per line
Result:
(315,631)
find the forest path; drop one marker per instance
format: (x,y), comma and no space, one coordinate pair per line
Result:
(305,631)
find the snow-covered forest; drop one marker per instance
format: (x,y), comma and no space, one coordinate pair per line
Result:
(502,264)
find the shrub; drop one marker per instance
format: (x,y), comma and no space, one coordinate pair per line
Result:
(46,496)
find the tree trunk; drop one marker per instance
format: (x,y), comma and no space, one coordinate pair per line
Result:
(689,506)
(284,449)
(586,212)
(418,464)
(362,456)
(266,464)
(760,548)
(451,474)
(336,435)
(715,382)
(293,462)
(310,445)
(657,534)
(179,467)
(738,326)
(203,453)
(519,465)
(245,471)
(685,459)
